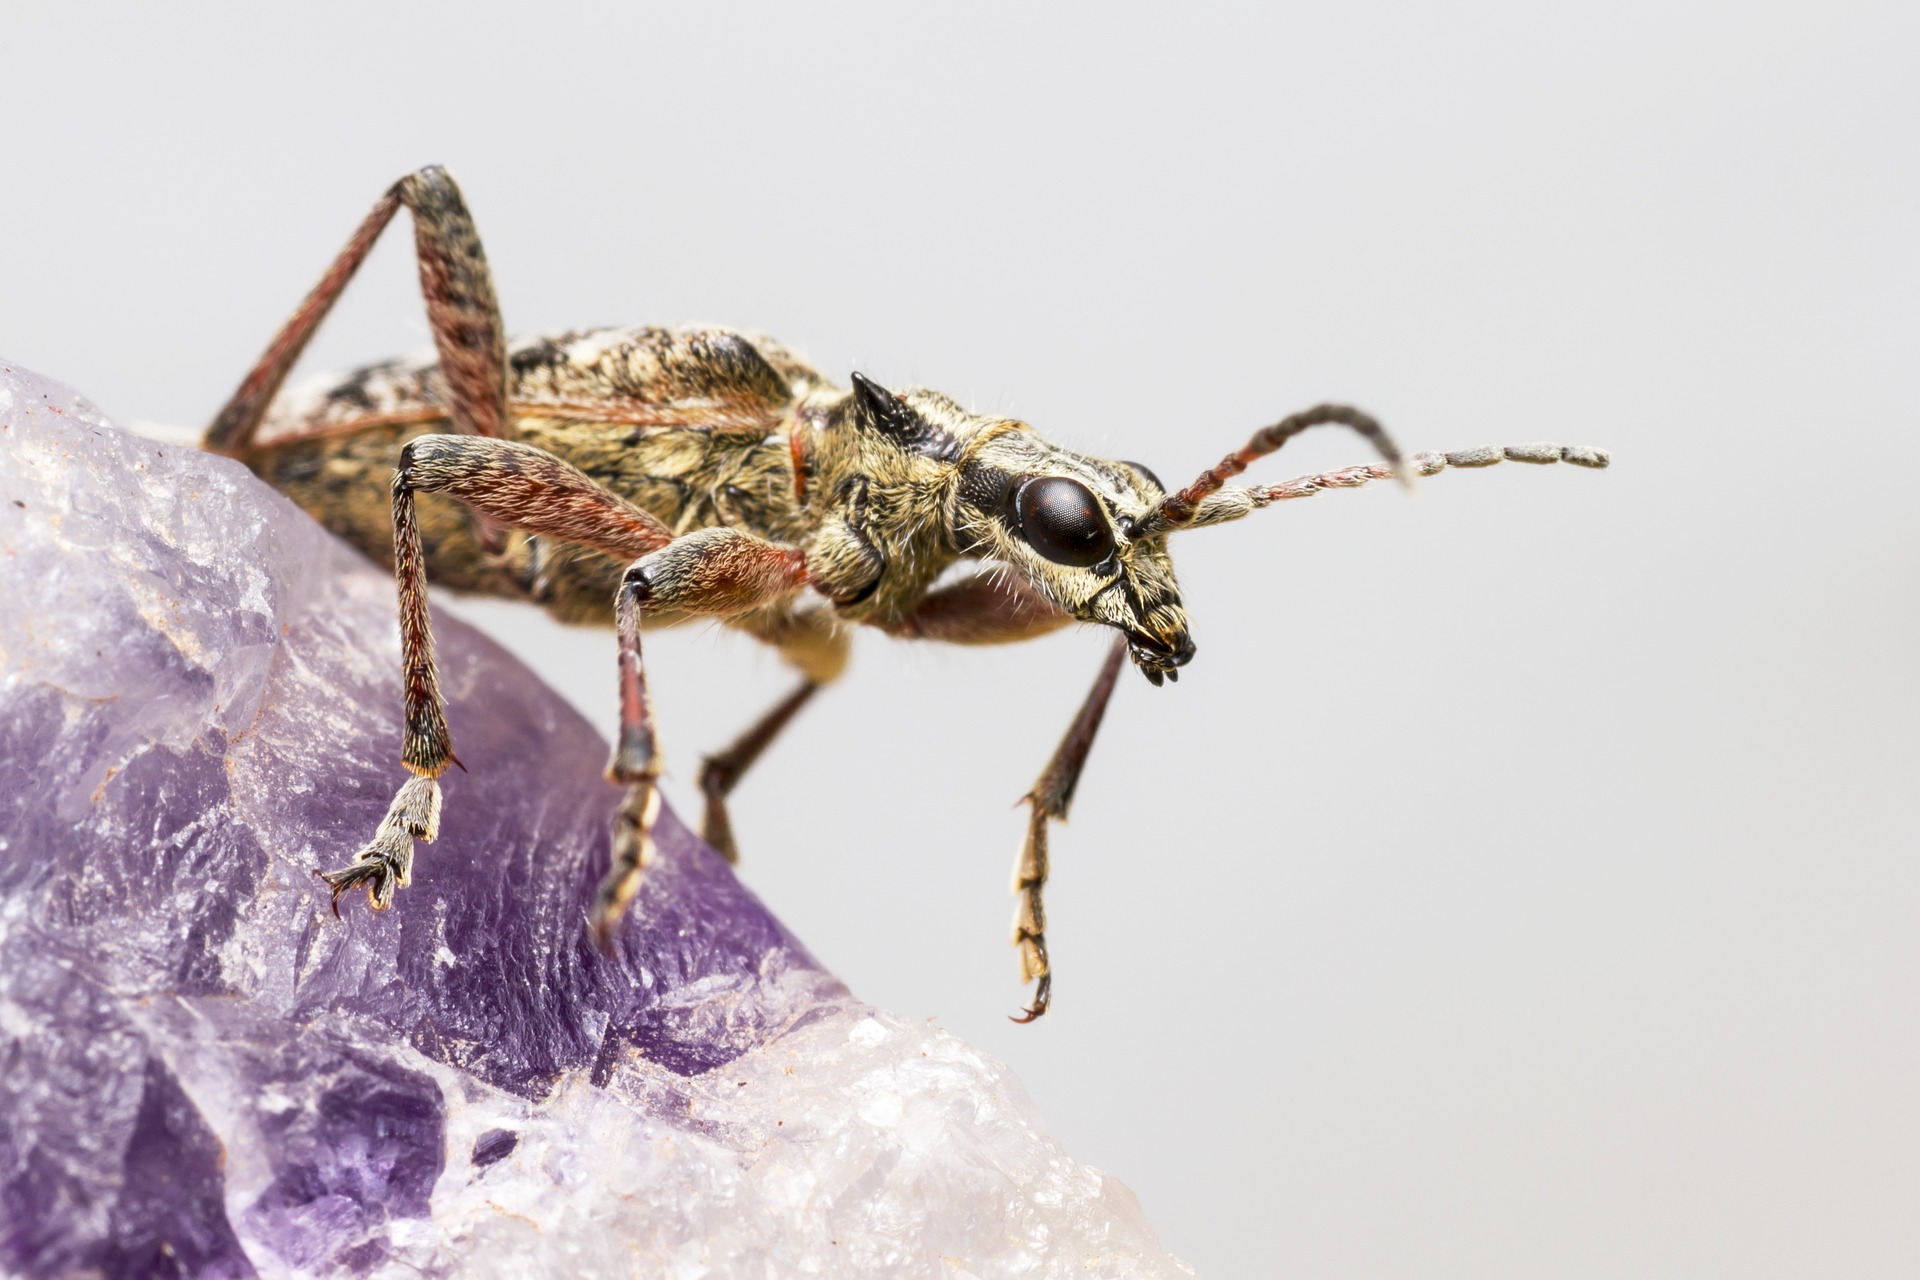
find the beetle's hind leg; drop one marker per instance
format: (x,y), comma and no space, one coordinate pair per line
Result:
(462,311)
(520,486)
(387,863)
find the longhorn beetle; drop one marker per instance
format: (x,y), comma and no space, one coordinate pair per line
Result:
(702,472)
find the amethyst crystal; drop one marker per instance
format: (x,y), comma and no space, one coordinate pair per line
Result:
(207,1074)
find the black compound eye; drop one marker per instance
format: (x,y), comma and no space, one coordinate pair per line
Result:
(1061,520)
(1148,473)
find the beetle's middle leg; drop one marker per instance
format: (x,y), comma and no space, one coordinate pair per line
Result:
(713,572)
(722,771)
(814,644)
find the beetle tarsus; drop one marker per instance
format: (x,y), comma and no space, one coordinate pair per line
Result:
(1042,1000)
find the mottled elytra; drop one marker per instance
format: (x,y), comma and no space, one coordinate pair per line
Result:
(646,476)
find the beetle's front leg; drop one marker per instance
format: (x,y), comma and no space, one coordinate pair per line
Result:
(715,572)
(1048,802)
(988,609)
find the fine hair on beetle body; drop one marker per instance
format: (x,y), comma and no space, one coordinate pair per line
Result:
(644,476)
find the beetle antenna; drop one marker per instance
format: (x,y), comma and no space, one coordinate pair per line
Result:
(1179,509)
(1233,502)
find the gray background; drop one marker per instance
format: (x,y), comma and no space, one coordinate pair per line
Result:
(1522,881)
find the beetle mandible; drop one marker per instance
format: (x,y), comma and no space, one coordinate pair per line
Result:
(702,472)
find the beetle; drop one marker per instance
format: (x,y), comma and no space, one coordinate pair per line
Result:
(708,473)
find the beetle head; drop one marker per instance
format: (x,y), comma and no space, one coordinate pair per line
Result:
(1068,524)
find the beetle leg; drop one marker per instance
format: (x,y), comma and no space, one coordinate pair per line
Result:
(1048,802)
(722,771)
(462,311)
(715,572)
(528,488)
(989,609)
(813,643)
(518,485)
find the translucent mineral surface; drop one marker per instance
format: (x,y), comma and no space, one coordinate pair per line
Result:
(207,1074)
